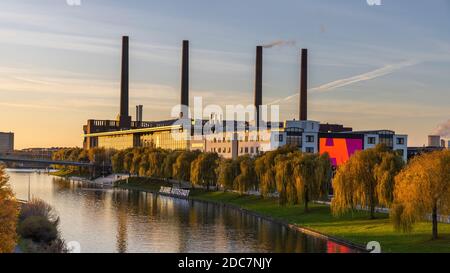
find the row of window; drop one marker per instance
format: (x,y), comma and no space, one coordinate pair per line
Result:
(387,141)
(221,150)
(243,150)
(251,150)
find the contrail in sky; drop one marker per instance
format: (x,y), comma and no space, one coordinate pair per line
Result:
(386,70)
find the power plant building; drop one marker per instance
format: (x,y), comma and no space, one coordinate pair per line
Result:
(231,139)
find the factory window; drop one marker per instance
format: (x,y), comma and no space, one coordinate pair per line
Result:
(309,139)
(400,141)
(372,140)
(310,150)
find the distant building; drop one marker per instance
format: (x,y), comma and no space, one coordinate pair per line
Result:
(6,142)
(434,141)
(416,151)
(334,128)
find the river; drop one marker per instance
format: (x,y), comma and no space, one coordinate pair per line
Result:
(118,221)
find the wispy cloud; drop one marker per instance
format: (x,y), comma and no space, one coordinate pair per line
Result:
(386,70)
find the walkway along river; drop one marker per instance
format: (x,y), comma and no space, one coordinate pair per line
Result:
(115,220)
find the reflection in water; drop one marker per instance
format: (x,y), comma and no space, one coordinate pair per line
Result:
(113,220)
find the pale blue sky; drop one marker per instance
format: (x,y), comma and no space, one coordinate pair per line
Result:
(371,67)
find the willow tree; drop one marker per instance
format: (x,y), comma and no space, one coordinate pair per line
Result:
(422,190)
(155,159)
(182,166)
(265,169)
(203,170)
(227,170)
(168,163)
(144,165)
(365,180)
(284,180)
(246,180)
(9,211)
(311,174)
(117,162)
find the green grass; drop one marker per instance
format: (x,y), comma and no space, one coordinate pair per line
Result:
(143,184)
(355,227)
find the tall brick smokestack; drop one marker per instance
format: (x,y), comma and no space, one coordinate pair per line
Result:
(304,86)
(125,118)
(258,83)
(185,79)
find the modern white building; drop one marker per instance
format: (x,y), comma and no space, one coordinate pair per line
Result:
(306,135)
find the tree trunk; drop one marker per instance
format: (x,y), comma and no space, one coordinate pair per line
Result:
(372,211)
(435,222)
(306,201)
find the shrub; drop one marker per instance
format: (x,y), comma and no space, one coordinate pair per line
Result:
(39,229)
(37,207)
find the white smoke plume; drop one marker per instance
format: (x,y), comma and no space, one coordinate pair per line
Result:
(443,130)
(280,43)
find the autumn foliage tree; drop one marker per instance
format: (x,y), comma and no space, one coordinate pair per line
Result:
(246,180)
(9,211)
(302,178)
(265,169)
(422,189)
(203,170)
(366,180)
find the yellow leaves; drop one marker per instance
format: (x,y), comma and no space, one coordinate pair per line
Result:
(423,185)
(8,215)
(366,179)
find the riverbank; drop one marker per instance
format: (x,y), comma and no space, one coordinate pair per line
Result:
(352,227)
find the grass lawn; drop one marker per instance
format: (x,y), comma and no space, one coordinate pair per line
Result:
(354,227)
(143,184)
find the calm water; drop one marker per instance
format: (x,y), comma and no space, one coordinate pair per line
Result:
(114,220)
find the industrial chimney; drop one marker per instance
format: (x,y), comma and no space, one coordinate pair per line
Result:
(139,114)
(185,80)
(258,83)
(124,118)
(304,85)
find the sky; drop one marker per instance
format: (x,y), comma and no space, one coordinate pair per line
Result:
(371,67)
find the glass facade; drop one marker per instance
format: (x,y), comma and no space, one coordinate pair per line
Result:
(165,140)
(294,137)
(119,142)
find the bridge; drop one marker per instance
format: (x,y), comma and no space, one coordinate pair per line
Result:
(96,169)
(49,162)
